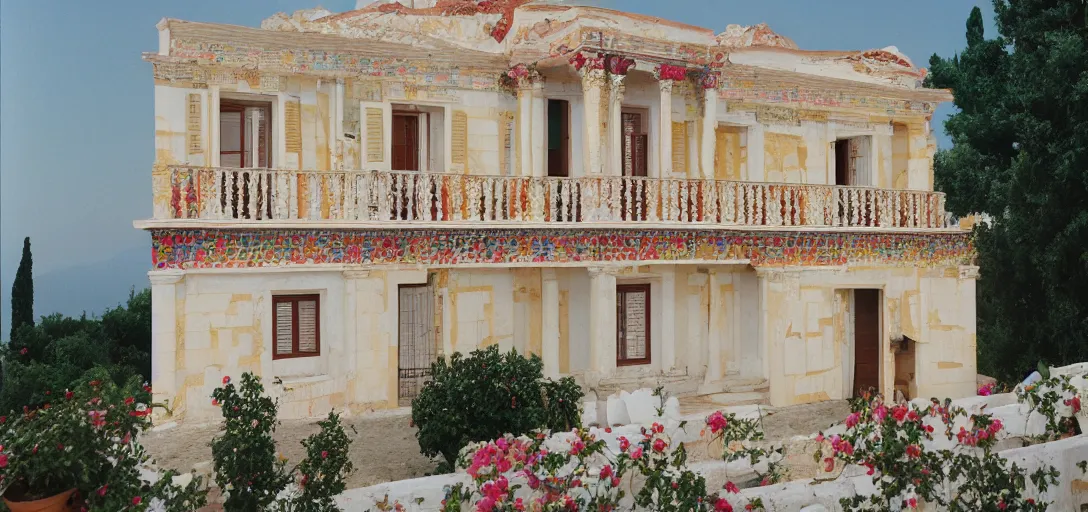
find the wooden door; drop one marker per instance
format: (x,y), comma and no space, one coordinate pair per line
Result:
(866,341)
(634,165)
(405,142)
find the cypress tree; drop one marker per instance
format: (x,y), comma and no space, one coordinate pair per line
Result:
(22,292)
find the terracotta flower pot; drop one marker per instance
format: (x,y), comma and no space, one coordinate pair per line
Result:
(57,503)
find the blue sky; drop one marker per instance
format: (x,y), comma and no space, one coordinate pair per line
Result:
(77,123)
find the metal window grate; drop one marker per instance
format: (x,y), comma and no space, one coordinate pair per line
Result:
(416,339)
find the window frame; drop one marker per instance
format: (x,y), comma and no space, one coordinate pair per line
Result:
(621,291)
(294,299)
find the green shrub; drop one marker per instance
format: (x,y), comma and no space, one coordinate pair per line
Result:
(247,468)
(486,395)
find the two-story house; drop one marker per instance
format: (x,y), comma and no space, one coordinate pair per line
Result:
(339,199)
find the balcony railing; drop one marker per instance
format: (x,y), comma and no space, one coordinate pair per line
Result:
(420,197)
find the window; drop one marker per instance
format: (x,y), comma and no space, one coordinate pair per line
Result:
(296,326)
(245,133)
(632,324)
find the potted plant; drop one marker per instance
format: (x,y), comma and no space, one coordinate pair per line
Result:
(79,451)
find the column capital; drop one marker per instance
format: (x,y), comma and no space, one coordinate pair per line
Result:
(709,79)
(667,73)
(525,76)
(665,86)
(618,65)
(968,272)
(583,63)
(165,277)
(603,271)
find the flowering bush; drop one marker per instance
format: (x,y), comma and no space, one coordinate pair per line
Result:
(894,442)
(579,472)
(85,440)
(737,436)
(486,395)
(1057,399)
(247,467)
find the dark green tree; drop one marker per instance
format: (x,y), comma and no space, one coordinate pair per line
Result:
(1020,155)
(22,292)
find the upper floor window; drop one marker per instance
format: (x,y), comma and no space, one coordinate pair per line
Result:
(296,326)
(245,135)
(853,162)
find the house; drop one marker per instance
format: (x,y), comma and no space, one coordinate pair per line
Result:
(339,199)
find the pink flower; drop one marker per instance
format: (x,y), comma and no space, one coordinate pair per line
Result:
(606,471)
(717,422)
(912,503)
(829,464)
(880,413)
(23,351)
(659,445)
(3,460)
(852,420)
(136,500)
(226,380)
(324,454)
(68,395)
(129,400)
(1075,403)
(519,505)
(731,487)
(577,446)
(900,413)
(102,490)
(914,451)
(722,506)
(1001,505)
(871,468)
(658,428)
(624,444)
(636,453)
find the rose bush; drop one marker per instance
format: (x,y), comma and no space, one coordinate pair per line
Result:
(251,474)
(85,439)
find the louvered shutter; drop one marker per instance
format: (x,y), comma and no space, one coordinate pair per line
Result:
(285,327)
(307,326)
(459,135)
(680,147)
(377,134)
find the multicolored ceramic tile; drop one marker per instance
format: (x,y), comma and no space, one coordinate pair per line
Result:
(199,249)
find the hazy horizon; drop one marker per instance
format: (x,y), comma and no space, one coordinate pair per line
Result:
(77,120)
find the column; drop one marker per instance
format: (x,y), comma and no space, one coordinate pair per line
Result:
(617,67)
(549,304)
(539,128)
(668,319)
(165,285)
(667,75)
(697,320)
(591,70)
(525,127)
(602,320)
(336,130)
(716,334)
(615,125)
(709,83)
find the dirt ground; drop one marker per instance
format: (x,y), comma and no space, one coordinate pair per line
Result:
(384,447)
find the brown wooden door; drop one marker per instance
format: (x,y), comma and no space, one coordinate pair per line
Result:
(866,340)
(405,142)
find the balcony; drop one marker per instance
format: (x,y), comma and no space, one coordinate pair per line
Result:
(256,196)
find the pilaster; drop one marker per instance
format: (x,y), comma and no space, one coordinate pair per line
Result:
(166,285)
(549,303)
(602,320)
(709,83)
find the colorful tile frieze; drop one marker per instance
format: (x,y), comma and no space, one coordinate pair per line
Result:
(202,249)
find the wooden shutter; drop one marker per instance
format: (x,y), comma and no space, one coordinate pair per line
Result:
(633,324)
(680,147)
(377,134)
(307,326)
(193,125)
(459,134)
(285,327)
(292,122)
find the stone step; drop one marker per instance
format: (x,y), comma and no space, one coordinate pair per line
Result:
(717,401)
(745,385)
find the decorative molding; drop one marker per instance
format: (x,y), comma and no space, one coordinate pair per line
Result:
(211,248)
(669,73)
(968,272)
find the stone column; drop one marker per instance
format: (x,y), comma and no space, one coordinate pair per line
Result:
(525,128)
(615,125)
(667,75)
(668,319)
(165,286)
(716,333)
(336,128)
(709,83)
(697,321)
(591,70)
(549,304)
(602,321)
(539,128)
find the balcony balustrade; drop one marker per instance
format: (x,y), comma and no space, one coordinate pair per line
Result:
(399,197)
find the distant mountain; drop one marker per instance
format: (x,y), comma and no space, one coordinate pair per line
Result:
(93,287)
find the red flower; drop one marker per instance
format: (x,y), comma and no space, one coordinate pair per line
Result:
(722,506)
(912,503)
(675,485)
(102,490)
(324,454)
(731,487)
(829,464)
(60,447)
(136,500)
(68,395)
(659,445)
(23,351)
(95,383)
(717,422)
(658,428)
(215,402)
(900,413)
(1075,403)
(147,388)
(624,444)
(3,460)
(608,430)
(1001,505)
(129,400)
(914,451)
